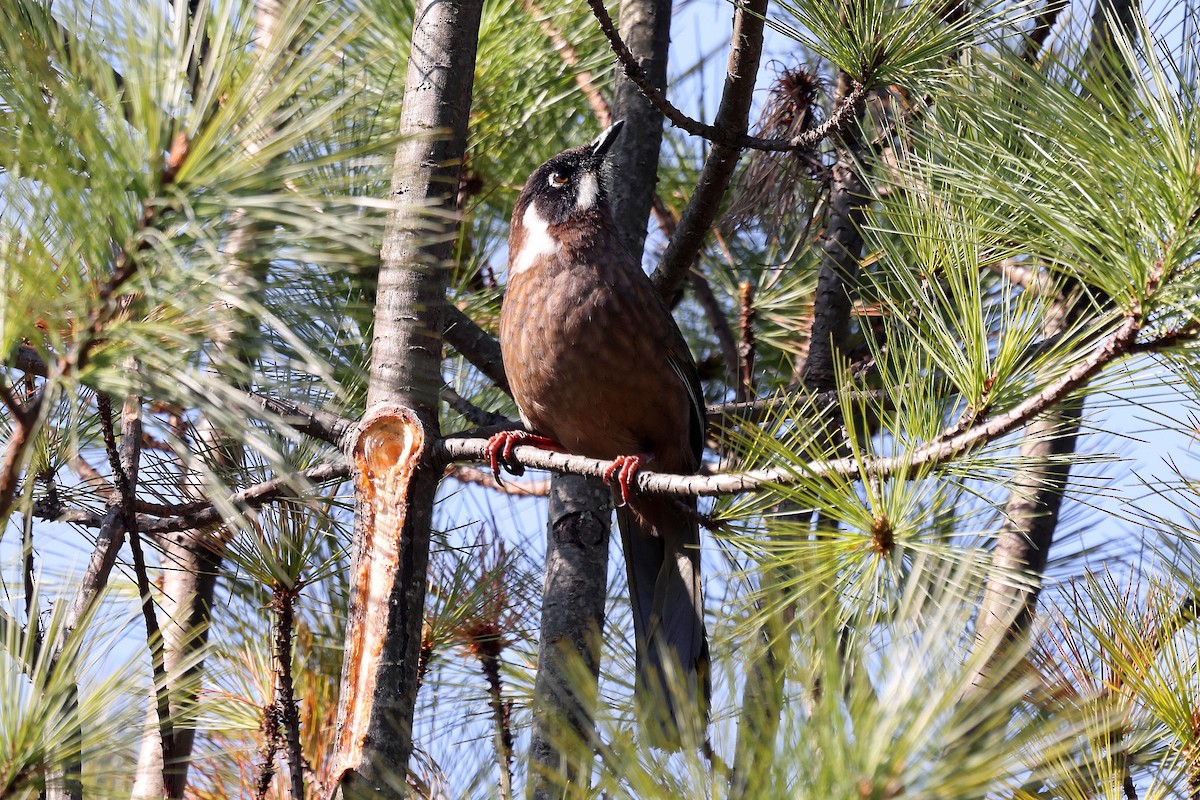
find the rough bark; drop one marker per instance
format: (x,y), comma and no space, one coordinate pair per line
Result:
(378,694)
(840,251)
(732,118)
(569,647)
(646,29)
(1031,517)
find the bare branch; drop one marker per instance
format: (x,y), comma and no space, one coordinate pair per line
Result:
(1043,23)
(838,271)
(949,445)
(474,413)
(718,134)
(467,474)
(124,466)
(697,219)
(476,345)
(24,419)
(317,423)
(199,515)
(715,315)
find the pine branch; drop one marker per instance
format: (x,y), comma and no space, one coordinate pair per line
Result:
(697,219)
(124,466)
(951,444)
(717,133)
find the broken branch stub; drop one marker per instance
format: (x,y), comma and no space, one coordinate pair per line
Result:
(385,451)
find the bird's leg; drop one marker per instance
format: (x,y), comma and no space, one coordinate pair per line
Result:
(621,473)
(499,450)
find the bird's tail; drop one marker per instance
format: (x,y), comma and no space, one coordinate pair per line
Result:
(662,560)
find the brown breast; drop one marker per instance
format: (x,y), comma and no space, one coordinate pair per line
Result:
(585,342)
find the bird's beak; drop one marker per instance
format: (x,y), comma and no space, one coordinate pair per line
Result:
(604,141)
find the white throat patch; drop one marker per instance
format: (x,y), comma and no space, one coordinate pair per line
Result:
(589,190)
(538,242)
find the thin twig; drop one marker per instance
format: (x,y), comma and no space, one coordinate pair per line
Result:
(284,606)
(982,430)
(124,465)
(718,134)
(1028,278)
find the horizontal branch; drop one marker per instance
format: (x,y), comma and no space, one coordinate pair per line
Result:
(950,444)
(317,423)
(942,449)
(199,515)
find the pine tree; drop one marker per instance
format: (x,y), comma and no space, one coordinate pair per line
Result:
(253,258)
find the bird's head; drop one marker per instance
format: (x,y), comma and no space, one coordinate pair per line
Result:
(569,183)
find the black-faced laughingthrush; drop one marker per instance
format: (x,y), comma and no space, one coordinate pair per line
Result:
(598,367)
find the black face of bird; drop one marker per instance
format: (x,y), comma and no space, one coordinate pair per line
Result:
(569,183)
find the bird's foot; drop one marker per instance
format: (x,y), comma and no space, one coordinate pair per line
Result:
(499,450)
(621,474)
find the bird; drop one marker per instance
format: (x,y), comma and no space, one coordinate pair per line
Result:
(598,367)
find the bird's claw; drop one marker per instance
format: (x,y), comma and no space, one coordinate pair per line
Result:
(621,474)
(499,450)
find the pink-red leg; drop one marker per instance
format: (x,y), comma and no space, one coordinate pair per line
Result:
(621,474)
(499,450)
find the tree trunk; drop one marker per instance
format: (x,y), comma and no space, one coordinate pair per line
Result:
(646,29)
(395,479)
(189,582)
(568,670)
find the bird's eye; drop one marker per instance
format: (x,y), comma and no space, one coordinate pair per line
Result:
(559,179)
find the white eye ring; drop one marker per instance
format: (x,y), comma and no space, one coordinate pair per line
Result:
(559,180)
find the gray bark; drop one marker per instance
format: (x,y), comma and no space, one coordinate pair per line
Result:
(406,358)
(646,28)
(569,647)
